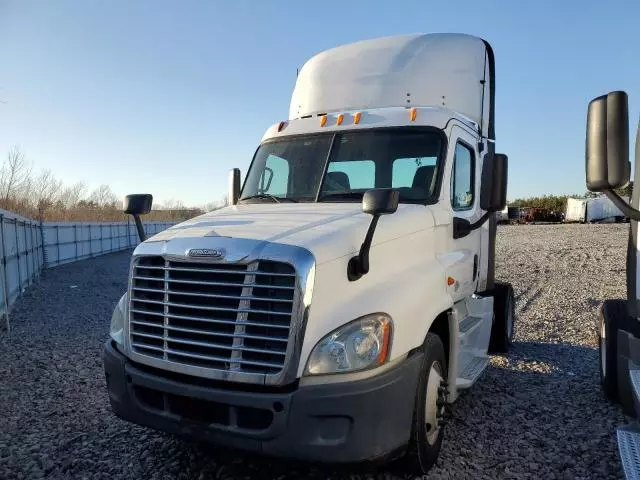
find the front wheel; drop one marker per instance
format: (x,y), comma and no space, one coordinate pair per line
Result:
(504,316)
(608,319)
(431,397)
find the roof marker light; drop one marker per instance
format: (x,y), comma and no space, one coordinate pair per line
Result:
(356,117)
(281,126)
(339,119)
(413,113)
(323,120)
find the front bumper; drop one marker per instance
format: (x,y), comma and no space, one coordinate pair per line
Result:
(341,422)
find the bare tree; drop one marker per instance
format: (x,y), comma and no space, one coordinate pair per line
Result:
(103,196)
(14,173)
(71,195)
(45,191)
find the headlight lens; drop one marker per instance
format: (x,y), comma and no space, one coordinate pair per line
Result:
(359,345)
(117,319)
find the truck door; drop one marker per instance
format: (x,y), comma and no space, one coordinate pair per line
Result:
(464,169)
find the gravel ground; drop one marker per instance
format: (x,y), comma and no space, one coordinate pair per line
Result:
(536,413)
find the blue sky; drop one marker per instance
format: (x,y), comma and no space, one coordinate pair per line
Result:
(165,97)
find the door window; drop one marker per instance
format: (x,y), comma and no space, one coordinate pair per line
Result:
(462,178)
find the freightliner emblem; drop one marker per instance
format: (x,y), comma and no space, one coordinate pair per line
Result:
(206,252)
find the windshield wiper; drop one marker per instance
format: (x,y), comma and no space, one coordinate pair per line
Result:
(270,197)
(342,196)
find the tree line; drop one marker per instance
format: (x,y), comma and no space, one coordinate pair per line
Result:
(42,196)
(558,203)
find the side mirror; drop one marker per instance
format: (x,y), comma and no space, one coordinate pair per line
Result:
(493,191)
(136,205)
(376,202)
(607,146)
(380,201)
(234,186)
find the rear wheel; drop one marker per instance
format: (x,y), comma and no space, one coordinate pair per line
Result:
(429,410)
(504,316)
(608,321)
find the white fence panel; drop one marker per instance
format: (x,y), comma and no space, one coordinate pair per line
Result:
(28,246)
(70,242)
(21,254)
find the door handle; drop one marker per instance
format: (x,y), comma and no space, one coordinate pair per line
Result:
(475,266)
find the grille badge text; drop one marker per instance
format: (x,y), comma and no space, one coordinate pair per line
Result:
(206,252)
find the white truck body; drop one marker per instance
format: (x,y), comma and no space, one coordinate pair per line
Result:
(422,275)
(592,209)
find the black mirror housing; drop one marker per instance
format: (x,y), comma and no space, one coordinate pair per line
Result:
(380,201)
(234,186)
(607,143)
(376,202)
(138,204)
(493,192)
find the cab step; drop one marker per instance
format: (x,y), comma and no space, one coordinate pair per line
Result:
(470,372)
(629,450)
(468,324)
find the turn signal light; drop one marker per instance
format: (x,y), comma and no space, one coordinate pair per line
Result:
(451,281)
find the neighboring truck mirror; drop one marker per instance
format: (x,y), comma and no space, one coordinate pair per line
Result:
(136,205)
(493,192)
(234,186)
(380,201)
(607,147)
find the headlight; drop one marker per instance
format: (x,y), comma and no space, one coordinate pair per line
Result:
(118,318)
(359,345)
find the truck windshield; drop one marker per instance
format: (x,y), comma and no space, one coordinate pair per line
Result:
(341,167)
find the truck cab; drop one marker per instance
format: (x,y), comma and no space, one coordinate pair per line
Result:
(607,169)
(347,294)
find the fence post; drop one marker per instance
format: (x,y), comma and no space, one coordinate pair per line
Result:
(34,262)
(90,243)
(58,244)
(75,241)
(26,252)
(4,273)
(15,223)
(44,249)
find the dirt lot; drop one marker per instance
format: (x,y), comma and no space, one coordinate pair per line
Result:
(537,413)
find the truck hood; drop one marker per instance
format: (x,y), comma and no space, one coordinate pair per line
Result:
(328,230)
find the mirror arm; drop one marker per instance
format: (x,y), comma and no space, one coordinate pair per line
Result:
(462,227)
(359,265)
(481,220)
(139,227)
(623,206)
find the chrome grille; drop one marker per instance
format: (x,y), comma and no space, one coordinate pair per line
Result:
(221,316)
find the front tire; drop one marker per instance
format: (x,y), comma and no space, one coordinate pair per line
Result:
(428,416)
(504,317)
(608,323)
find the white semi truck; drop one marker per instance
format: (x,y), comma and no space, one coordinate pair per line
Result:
(347,293)
(608,168)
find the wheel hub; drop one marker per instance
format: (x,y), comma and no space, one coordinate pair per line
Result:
(435,401)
